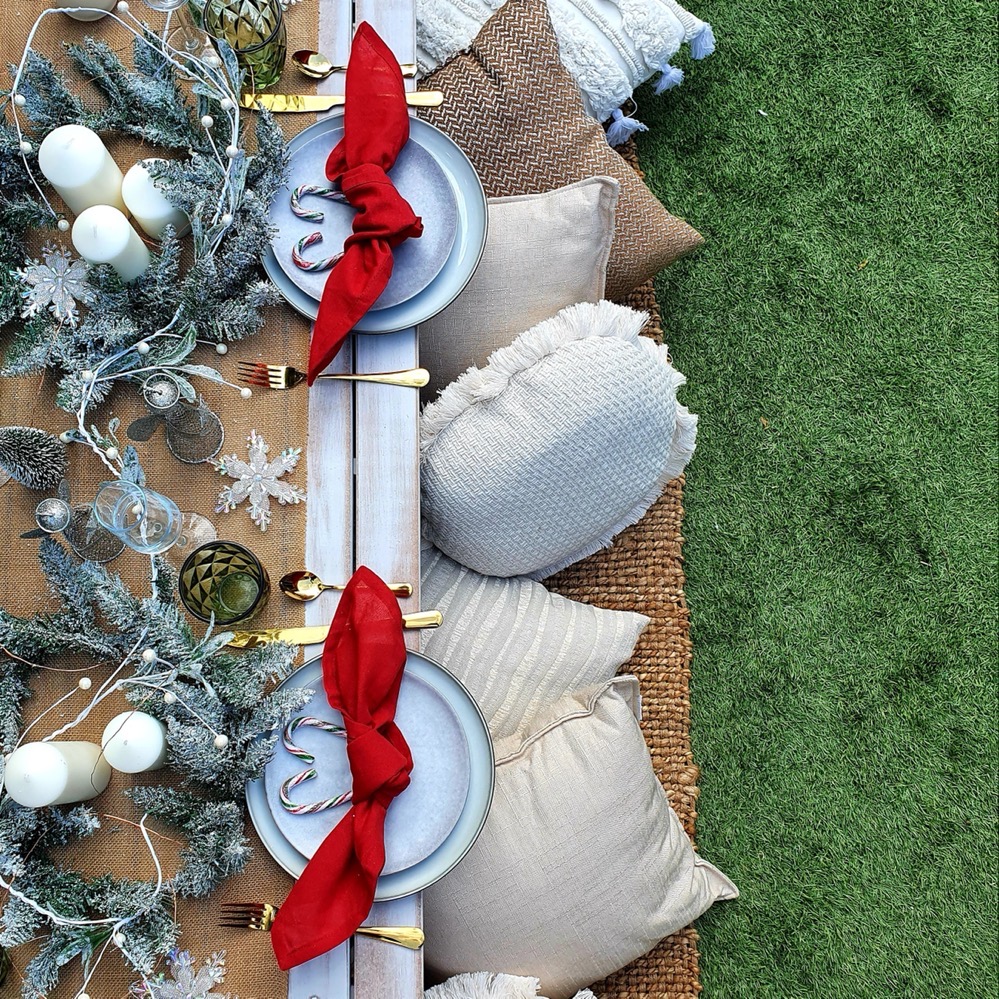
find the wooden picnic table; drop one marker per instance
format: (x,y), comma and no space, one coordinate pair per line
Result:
(364,509)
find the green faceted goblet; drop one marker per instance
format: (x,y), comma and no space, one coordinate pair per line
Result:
(255,30)
(224,580)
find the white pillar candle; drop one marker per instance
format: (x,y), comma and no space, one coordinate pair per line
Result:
(103,235)
(55,773)
(148,205)
(78,165)
(134,741)
(86,15)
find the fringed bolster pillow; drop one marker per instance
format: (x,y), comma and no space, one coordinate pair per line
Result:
(561,441)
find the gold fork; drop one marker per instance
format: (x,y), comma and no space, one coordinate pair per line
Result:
(283,376)
(260,916)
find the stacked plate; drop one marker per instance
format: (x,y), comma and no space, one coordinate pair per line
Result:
(432,824)
(442,187)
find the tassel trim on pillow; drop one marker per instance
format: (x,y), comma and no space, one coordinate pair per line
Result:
(622,128)
(672,76)
(703,43)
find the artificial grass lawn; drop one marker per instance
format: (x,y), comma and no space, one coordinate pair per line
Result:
(839,334)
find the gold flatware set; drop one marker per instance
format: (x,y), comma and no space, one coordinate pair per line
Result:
(316,633)
(305,103)
(284,376)
(261,915)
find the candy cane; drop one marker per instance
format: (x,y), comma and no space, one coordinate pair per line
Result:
(314,215)
(312,265)
(306,775)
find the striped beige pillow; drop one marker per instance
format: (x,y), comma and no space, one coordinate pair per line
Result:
(517,647)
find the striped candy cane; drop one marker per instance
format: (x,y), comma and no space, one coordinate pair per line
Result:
(291,783)
(314,214)
(312,265)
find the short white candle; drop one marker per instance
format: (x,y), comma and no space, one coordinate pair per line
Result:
(78,165)
(86,15)
(148,205)
(103,235)
(134,741)
(55,773)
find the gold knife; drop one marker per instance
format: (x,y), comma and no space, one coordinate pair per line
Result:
(323,102)
(313,634)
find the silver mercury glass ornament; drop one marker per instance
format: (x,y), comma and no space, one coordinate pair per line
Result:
(53,515)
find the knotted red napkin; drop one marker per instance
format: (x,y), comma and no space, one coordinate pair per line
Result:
(375,128)
(363,661)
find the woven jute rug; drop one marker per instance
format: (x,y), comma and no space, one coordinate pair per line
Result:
(643,571)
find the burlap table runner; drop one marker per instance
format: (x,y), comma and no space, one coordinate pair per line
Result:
(642,572)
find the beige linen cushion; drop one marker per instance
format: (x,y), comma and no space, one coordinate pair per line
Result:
(514,645)
(517,113)
(582,865)
(561,441)
(543,252)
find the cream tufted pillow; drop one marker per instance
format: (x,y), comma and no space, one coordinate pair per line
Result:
(582,865)
(609,46)
(561,441)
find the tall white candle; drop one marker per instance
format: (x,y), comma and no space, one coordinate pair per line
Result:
(103,235)
(78,165)
(55,773)
(86,15)
(148,205)
(134,741)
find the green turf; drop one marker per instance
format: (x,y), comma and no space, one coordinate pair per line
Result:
(839,334)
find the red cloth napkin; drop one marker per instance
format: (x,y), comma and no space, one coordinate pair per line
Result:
(363,661)
(375,128)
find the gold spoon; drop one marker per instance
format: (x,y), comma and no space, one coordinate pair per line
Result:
(316,66)
(305,585)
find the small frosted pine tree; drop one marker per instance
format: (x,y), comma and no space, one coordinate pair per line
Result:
(36,459)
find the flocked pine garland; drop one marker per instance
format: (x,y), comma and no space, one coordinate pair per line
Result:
(215,705)
(84,323)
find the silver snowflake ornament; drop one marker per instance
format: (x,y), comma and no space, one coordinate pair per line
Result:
(186,982)
(259,480)
(57,283)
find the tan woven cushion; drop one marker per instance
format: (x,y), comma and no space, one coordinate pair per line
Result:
(515,110)
(570,229)
(582,865)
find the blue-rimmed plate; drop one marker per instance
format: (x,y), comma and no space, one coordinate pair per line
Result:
(466,249)
(433,823)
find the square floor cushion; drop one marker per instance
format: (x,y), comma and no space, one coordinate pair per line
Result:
(514,645)
(515,110)
(582,865)
(567,231)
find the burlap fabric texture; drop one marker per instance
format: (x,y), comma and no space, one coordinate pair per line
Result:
(642,572)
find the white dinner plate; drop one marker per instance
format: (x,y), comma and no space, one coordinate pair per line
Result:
(466,250)
(433,823)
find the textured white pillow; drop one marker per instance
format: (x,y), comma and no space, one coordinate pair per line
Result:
(485,985)
(517,647)
(565,438)
(582,865)
(571,229)
(609,46)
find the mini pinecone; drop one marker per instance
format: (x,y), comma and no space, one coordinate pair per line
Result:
(36,459)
